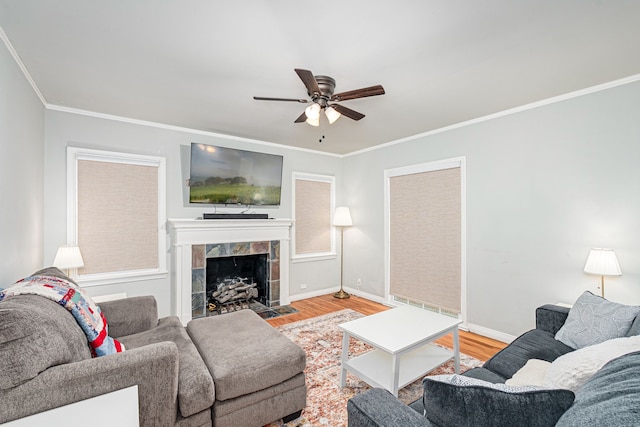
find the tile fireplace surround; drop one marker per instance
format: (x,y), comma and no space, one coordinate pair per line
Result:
(192,238)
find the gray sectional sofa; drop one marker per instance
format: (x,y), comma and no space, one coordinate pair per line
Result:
(228,370)
(610,397)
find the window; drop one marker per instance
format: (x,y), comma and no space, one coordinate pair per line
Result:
(313,204)
(116,215)
(425,235)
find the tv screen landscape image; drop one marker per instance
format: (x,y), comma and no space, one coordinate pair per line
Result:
(221,175)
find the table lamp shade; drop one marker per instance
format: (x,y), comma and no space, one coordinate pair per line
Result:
(603,262)
(68,257)
(342,217)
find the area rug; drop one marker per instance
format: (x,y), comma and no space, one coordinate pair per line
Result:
(321,340)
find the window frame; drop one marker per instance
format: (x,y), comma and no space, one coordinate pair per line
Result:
(457,162)
(316,256)
(76,154)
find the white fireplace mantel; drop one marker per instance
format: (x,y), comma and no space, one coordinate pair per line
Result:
(188,232)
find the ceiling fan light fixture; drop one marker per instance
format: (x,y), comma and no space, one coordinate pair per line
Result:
(313,122)
(313,112)
(332,114)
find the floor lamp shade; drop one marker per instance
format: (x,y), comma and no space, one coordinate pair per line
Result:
(342,219)
(603,262)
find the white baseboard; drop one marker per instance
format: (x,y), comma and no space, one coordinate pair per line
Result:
(490,333)
(352,291)
(312,294)
(367,295)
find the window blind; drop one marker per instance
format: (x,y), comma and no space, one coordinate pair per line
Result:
(117,214)
(313,216)
(425,237)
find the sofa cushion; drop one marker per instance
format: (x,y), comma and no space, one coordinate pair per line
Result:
(461,401)
(131,315)
(573,369)
(534,344)
(610,398)
(36,334)
(533,372)
(195,385)
(593,319)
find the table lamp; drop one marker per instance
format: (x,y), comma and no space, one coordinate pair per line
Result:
(68,257)
(603,262)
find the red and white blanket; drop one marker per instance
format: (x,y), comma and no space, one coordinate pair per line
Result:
(73,298)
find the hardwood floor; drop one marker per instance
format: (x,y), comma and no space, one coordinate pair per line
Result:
(474,345)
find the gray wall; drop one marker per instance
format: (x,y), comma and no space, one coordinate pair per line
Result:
(66,129)
(21,173)
(543,187)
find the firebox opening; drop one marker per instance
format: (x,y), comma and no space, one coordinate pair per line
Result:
(237,279)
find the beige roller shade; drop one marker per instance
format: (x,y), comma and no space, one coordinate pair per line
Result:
(117,216)
(313,216)
(425,237)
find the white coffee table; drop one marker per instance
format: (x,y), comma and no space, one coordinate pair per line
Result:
(403,350)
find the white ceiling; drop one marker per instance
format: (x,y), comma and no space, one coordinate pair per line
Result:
(197,63)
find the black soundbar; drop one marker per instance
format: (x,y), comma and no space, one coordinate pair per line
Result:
(235,216)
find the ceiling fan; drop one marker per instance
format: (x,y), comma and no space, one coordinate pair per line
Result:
(320,89)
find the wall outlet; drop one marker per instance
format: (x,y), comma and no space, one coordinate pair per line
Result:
(303,286)
(358,283)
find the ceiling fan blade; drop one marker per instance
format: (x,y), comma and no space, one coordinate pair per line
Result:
(309,81)
(348,112)
(302,118)
(263,98)
(358,93)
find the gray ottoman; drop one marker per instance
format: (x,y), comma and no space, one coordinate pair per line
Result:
(257,371)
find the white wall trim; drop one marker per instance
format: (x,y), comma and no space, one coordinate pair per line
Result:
(490,333)
(21,65)
(147,123)
(352,291)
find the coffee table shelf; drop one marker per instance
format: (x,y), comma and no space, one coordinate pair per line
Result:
(374,367)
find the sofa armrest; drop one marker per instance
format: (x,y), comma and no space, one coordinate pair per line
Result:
(153,368)
(379,408)
(129,316)
(551,317)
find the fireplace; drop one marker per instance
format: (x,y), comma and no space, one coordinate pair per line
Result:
(237,279)
(195,243)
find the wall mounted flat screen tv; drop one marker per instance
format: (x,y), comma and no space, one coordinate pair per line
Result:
(221,175)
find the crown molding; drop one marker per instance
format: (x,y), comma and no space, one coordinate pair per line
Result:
(16,58)
(575,94)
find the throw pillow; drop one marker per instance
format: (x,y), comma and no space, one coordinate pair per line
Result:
(460,401)
(573,369)
(532,373)
(593,320)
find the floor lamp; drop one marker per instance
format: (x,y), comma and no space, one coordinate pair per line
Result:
(342,219)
